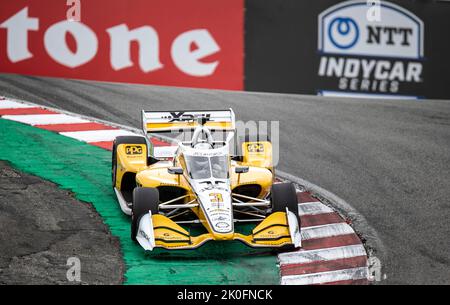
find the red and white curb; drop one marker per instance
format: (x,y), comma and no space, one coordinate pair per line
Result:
(331,253)
(92,131)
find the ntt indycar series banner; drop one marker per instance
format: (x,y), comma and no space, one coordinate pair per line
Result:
(376,48)
(393,49)
(191,43)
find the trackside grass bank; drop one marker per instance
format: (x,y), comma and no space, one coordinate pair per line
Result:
(85,170)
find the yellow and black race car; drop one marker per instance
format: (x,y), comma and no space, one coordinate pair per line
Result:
(200,181)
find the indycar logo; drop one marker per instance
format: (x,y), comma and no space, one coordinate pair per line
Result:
(182,117)
(255,148)
(133,150)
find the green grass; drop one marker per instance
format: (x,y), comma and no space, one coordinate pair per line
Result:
(85,170)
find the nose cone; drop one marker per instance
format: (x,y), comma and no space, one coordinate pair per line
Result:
(216,204)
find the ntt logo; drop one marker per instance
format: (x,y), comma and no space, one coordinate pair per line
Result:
(343,32)
(345,29)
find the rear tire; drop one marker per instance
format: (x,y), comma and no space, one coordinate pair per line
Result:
(282,196)
(144,199)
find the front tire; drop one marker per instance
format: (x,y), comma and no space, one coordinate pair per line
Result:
(282,196)
(144,199)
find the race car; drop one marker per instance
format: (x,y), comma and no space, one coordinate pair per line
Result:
(203,181)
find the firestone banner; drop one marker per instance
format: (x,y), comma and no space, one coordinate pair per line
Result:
(196,43)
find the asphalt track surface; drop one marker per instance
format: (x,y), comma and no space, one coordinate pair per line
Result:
(389,159)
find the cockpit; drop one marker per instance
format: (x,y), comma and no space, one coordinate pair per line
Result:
(205,167)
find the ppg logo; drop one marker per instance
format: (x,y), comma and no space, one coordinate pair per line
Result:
(133,150)
(343,32)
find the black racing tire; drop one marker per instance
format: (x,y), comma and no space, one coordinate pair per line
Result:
(144,199)
(282,196)
(122,140)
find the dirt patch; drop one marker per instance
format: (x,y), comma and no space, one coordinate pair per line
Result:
(42,226)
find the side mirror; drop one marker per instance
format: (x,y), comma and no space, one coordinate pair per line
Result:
(175,170)
(241,169)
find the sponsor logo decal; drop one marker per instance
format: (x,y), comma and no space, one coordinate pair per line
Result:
(360,54)
(168,236)
(269,236)
(255,148)
(216,197)
(182,117)
(133,150)
(144,235)
(222,225)
(221,221)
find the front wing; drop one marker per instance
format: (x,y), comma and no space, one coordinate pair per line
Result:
(277,230)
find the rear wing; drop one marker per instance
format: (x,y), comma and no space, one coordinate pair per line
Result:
(179,121)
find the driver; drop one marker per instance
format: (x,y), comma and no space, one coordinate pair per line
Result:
(219,167)
(201,166)
(217,170)
(202,143)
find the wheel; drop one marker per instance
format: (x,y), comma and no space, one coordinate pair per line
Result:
(122,140)
(144,199)
(282,196)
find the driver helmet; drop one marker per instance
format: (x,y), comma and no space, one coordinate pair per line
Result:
(203,145)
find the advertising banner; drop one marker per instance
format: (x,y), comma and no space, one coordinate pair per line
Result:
(348,48)
(196,43)
(360,52)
